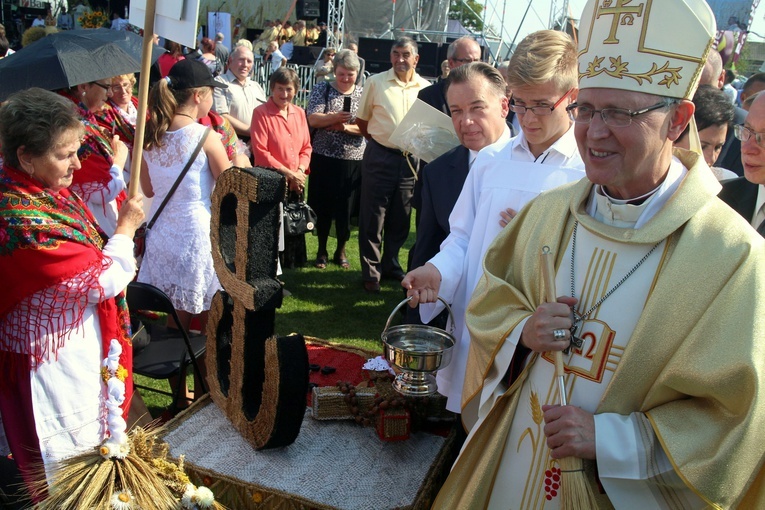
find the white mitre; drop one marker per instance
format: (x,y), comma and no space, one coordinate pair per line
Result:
(653,46)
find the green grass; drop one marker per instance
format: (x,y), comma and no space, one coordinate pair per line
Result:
(325,303)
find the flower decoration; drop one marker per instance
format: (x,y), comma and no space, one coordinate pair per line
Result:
(197,498)
(126,471)
(378,364)
(122,500)
(95,19)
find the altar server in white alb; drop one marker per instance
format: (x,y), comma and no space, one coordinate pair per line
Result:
(663,282)
(503,178)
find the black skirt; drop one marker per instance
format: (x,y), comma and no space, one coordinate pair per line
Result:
(333,193)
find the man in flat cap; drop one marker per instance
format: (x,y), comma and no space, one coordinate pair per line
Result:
(660,285)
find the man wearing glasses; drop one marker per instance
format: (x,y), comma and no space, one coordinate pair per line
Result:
(747,194)
(660,311)
(503,177)
(460,52)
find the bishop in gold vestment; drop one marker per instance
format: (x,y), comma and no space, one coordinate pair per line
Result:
(663,282)
(693,364)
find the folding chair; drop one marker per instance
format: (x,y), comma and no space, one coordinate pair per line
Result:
(170,351)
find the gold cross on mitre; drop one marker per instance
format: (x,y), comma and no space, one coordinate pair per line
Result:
(622,13)
(634,45)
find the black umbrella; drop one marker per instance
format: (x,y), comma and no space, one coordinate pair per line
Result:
(69,58)
(129,41)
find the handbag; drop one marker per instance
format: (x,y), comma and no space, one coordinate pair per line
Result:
(299,218)
(139,238)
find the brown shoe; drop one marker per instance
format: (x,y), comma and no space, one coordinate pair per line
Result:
(372,287)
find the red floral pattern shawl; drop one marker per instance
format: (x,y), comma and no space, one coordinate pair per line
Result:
(96,157)
(47,239)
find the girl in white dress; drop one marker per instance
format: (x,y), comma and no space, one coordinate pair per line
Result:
(178,257)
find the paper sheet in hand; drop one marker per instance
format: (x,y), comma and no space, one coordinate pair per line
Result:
(425,132)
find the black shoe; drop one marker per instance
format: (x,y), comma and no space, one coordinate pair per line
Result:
(372,287)
(396,274)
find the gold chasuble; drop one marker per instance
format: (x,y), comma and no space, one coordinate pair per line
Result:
(680,341)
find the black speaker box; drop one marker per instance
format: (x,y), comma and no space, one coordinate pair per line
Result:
(375,50)
(253,33)
(305,55)
(428,65)
(442,51)
(377,66)
(307,9)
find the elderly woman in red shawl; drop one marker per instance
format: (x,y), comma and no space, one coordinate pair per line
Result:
(103,155)
(62,302)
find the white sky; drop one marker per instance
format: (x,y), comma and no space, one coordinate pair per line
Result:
(539,14)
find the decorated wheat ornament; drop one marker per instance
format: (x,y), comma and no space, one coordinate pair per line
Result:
(575,492)
(127,471)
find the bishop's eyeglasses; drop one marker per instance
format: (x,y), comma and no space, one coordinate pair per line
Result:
(614,117)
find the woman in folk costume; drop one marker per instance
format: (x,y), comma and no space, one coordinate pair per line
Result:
(102,154)
(63,302)
(120,112)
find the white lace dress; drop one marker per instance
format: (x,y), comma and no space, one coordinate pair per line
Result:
(178,257)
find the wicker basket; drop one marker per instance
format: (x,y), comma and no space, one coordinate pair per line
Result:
(329,403)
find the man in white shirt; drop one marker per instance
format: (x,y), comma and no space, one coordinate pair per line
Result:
(118,23)
(64,20)
(277,59)
(503,178)
(243,94)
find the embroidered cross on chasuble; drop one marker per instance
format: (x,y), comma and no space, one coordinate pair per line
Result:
(533,480)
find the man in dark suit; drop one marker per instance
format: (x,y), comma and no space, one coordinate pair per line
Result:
(442,179)
(747,194)
(460,52)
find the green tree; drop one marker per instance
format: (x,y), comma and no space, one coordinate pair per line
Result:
(468,12)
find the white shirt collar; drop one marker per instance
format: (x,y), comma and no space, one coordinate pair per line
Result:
(565,146)
(500,142)
(757,205)
(618,213)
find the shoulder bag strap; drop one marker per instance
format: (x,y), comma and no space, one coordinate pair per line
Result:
(179,179)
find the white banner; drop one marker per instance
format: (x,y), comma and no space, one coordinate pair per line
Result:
(174,19)
(220,22)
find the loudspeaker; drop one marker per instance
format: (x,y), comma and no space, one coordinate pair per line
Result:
(428,65)
(305,55)
(375,49)
(307,9)
(253,33)
(442,51)
(376,53)
(376,66)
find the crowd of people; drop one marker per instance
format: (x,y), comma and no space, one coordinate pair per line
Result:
(616,176)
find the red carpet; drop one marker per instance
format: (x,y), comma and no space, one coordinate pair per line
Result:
(346,361)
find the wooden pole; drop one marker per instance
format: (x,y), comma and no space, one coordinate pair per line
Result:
(143,98)
(575,491)
(286,17)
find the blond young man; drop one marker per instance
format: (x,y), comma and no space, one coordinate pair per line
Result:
(502,179)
